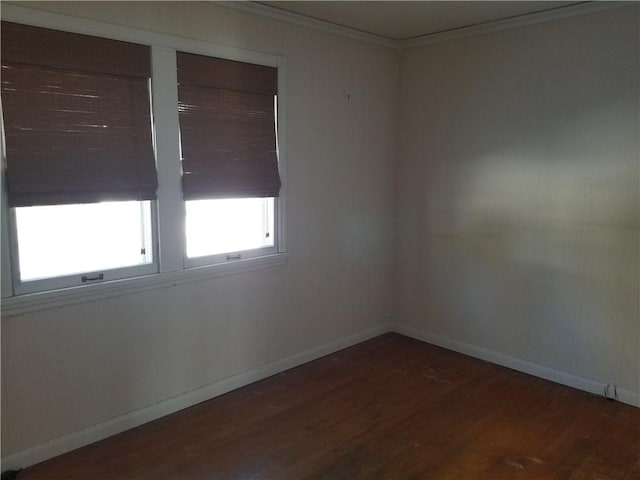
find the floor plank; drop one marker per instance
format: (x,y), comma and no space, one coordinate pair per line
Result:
(392,407)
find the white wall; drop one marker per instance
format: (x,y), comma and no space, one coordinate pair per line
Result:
(69,368)
(517,199)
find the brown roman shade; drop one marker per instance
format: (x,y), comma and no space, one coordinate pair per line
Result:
(77,118)
(227,128)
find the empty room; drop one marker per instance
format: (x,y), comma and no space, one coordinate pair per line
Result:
(320,240)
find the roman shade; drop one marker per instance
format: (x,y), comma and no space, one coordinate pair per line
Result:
(227,128)
(77,118)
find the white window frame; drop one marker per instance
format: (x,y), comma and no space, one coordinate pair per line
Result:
(236,255)
(171,265)
(75,279)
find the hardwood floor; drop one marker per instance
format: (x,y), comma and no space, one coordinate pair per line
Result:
(391,408)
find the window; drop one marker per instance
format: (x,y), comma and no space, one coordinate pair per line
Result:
(229,226)
(230,177)
(99,187)
(79,153)
(59,240)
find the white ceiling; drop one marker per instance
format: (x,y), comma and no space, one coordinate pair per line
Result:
(410,19)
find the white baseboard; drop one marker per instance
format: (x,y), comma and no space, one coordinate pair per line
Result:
(564,378)
(92,434)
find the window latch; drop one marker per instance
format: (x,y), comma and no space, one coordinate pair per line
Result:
(86,279)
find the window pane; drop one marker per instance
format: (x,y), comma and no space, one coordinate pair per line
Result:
(62,240)
(228,225)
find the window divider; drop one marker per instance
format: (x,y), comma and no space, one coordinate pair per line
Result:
(280,207)
(170,243)
(6,280)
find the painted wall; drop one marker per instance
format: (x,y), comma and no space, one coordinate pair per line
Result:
(68,368)
(517,199)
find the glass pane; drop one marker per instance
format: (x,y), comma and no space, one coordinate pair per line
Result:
(228,225)
(62,240)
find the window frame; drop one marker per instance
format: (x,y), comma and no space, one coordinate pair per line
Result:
(171,264)
(217,258)
(75,279)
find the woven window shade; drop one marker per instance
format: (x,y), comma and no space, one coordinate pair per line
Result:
(77,118)
(227,128)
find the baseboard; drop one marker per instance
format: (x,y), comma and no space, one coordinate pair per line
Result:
(39,453)
(564,378)
(92,434)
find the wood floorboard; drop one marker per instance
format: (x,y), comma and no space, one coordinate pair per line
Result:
(389,408)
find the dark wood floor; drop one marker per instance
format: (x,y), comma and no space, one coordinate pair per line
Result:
(392,408)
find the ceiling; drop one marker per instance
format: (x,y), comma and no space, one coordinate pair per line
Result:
(410,19)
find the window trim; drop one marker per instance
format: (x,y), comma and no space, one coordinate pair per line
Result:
(169,241)
(33,302)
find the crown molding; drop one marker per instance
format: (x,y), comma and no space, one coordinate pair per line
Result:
(274,13)
(558,13)
(308,22)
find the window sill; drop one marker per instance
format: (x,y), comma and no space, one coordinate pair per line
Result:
(56,298)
